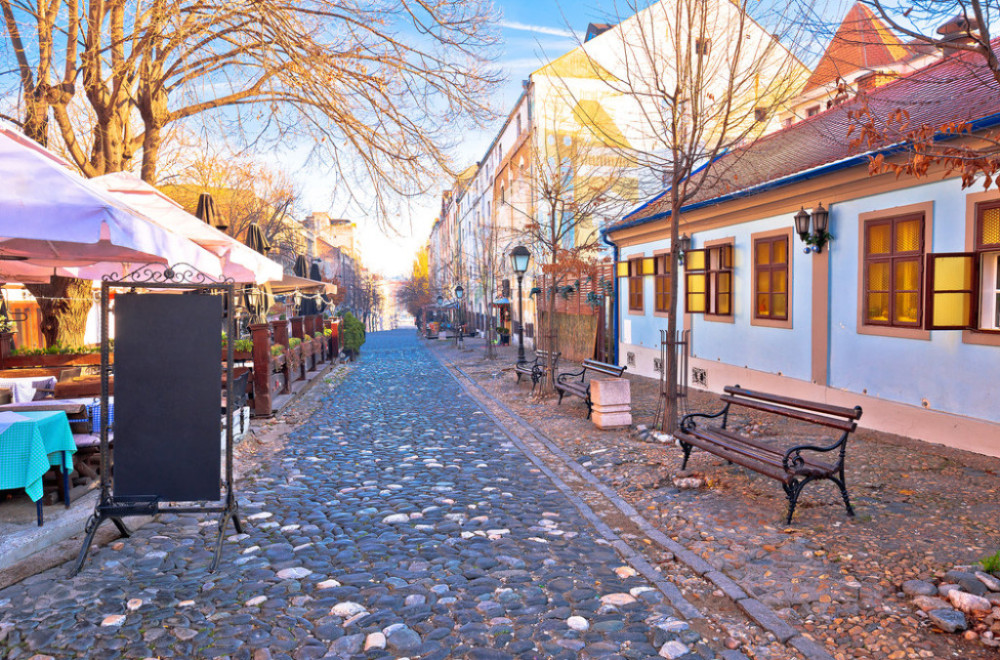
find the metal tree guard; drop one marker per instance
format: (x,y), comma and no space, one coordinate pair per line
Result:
(678,349)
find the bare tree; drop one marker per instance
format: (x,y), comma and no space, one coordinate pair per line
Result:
(490,245)
(700,78)
(574,184)
(415,292)
(244,191)
(377,88)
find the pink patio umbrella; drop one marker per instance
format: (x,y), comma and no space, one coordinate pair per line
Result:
(52,217)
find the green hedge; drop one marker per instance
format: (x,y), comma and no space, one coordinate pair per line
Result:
(352,334)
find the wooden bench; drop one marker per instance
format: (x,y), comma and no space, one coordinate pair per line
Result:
(536,368)
(793,467)
(565,383)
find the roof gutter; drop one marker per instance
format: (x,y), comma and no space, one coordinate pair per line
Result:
(989,121)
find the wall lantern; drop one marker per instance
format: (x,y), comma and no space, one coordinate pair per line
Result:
(683,245)
(818,237)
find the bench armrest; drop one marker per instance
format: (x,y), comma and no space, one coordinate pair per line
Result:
(792,460)
(687,421)
(570,374)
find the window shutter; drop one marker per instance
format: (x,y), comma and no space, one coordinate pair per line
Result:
(951,291)
(621,269)
(649,266)
(695,260)
(695,281)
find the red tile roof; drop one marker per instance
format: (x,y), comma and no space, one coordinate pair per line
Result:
(862,43)
(956,88)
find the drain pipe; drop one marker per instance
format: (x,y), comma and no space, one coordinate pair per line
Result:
(614,298)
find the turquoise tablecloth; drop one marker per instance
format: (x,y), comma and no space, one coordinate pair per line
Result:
(31,443)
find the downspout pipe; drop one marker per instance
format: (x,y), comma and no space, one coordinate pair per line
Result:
(614,297)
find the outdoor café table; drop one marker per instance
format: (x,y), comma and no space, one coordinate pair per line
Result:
(31,443)
(23,389)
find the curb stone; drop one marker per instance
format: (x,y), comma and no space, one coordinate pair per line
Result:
(754,609)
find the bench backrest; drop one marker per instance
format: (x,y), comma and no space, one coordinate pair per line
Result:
(845,419)
(604,368)
(543,356)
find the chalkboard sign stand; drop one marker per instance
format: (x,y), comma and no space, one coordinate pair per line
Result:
(118,501)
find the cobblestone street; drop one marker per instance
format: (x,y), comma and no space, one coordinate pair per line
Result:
(397,521)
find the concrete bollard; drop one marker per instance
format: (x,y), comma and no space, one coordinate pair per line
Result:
(612,402)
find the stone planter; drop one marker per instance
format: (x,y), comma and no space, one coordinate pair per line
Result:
(612,402)
(56,360)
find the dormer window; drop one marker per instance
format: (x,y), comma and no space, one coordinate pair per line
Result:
(702,45)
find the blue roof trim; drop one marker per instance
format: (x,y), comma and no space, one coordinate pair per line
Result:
(990,121)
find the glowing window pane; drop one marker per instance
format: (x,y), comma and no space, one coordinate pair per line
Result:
(780,255)
(879,238)
(779,281)
(878,276)
(780,302)
(989,227)
(908,235)
(907,307)
(907,275)
(952,309)
(878,307)
(763,304)
(952,273)
(763,254)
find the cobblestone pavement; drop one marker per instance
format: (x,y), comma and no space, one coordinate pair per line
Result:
(922,509)
(398,521)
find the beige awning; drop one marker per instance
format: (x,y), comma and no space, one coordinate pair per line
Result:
(290,283)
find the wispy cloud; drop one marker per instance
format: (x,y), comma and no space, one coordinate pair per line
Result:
(540,29)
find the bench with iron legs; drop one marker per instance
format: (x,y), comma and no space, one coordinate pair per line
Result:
(536,368)
(567,383)
(794,467)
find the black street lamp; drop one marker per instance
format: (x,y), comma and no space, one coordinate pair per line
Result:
(521,257)
(459,292)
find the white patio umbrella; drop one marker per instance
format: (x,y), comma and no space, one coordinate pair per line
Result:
(51,216)
(239,262)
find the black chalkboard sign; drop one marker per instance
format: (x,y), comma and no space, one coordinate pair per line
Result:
(167,395)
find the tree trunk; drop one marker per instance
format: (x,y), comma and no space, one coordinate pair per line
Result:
(550,330)
(670,405)
(65,303)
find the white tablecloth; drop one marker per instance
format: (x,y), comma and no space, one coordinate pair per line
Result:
(23,389)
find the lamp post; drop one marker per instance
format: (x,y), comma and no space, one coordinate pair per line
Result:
(521,257)
(459,292)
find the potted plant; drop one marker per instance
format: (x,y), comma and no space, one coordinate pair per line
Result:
(504,335)
(242,348)
(277,357)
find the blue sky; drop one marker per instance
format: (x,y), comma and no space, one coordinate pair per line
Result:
(534,31)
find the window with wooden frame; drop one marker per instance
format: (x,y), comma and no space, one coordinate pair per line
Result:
(963,288)
(893,257)
(635,284)
(770,278)
(661,284)
(708,280)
